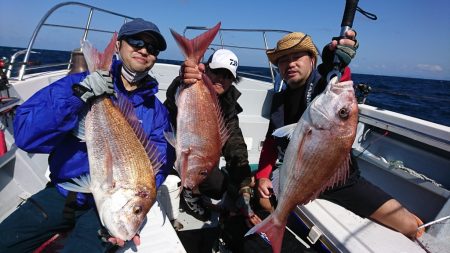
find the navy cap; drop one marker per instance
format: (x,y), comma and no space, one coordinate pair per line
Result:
(139,25)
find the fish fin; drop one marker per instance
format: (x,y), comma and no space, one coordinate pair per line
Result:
(155,157)
(271,231)
(170,136)
(339,177)
(97,60)
(79,129)
(223,127)
(287,130)
(223,131)
(341,174)
(80,184)
(195,49)
(127,109)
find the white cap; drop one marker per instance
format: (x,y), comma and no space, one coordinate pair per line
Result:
(224,59)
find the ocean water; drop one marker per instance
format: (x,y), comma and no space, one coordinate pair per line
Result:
(421,98)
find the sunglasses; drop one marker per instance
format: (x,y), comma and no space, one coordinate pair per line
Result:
(139,43)
(224,73)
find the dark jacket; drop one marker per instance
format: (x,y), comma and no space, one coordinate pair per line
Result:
(235,149)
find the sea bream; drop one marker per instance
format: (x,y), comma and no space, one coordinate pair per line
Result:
(122,161)
(201,131)
(317,156)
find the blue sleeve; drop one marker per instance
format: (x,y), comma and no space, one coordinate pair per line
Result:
(161,125)
(42,121)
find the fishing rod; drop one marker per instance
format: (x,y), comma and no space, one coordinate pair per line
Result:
(349,16)
(346,24)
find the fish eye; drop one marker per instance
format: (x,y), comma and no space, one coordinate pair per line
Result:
(137,210)
(203,173)
(343,113)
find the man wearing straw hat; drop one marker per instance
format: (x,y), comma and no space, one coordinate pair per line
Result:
(296,58)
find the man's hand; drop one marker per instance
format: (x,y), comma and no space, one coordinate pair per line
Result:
(243,203)
(349,40)
(106,237)
(94,85)
(264,184)
(121,243)
(344,48)
(190,72)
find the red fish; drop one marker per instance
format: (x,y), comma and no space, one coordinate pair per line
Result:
(201,131)
(122,161)
(317,156)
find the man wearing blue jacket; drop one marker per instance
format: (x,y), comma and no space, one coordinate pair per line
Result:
(45,123)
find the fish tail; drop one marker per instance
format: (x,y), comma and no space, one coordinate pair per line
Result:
(97,60)
(195,49)
(270,230)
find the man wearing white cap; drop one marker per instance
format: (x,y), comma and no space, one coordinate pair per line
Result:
(221,68)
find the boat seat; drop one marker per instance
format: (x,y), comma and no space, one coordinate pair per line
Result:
(349,232)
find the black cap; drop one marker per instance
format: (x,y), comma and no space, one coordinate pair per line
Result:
(139,25)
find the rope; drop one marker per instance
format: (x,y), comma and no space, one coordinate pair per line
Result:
(395,164)
(399,165)
(363,137)
(367,14)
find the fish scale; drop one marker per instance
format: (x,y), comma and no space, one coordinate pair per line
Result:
(130,154)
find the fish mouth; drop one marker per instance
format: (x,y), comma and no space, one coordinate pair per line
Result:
(189,186)
(341,87)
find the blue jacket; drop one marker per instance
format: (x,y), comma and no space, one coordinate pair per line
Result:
(44,122)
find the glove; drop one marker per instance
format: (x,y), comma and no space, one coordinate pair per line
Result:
(344,53)
(94,85)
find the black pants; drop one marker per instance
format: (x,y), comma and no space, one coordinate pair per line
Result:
(215,184)
(38,219)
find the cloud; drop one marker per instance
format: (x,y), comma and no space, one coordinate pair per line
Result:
(430,67)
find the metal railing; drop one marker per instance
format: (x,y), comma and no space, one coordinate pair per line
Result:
(264,46)
(87,28)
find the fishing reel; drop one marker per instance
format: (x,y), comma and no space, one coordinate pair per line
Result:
(362,91)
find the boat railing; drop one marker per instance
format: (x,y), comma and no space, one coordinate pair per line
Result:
(264,44)
(24,65)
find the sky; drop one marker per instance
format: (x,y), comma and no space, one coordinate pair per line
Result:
(410,38)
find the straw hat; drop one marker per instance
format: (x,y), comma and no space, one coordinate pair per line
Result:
(292,43)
